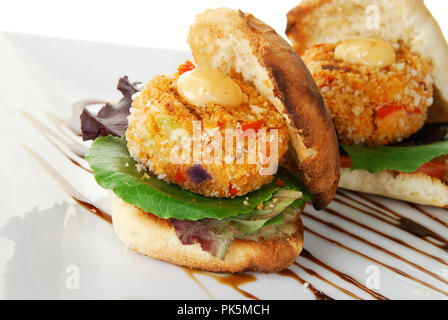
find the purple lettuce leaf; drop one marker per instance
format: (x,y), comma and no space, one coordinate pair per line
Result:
(212,235)
(112,119)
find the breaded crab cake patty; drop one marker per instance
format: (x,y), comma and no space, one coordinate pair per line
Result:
(373,106)
(159,110)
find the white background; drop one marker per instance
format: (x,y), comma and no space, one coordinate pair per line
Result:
(161,23)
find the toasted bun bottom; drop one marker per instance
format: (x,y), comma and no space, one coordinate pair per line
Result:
(417,188)
(156,238)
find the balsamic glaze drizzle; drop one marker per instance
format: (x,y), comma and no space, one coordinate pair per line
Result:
(232,280)
(317,293)
(393,269)
(309,256)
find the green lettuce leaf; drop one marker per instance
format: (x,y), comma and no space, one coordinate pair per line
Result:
(281,200)
(276,221)
(280,219)
(402,159)
(114,169)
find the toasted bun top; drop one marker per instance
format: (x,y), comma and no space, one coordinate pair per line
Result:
(235,42)
(329,21)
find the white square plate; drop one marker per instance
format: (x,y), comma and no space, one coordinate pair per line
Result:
(52,247)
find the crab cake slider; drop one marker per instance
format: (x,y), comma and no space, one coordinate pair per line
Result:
(183,195)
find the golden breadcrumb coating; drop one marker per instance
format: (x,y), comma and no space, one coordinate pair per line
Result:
(372,106)
(159,110)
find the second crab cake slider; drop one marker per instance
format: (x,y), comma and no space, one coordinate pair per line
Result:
(382,69)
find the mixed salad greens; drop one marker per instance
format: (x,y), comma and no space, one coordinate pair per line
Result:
(213,222)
